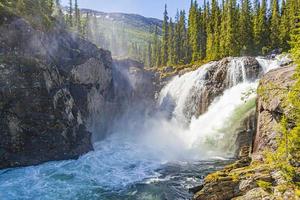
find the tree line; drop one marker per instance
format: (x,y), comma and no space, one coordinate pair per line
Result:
(230,28)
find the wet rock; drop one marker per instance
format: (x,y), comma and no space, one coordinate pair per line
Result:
(196,189)
(50,86)
(245,134)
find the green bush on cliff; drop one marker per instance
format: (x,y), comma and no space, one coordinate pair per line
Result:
(38,13)
(287,156)
(264,185)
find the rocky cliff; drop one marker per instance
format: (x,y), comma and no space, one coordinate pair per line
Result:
(52,84)
(256,180)
(273,89)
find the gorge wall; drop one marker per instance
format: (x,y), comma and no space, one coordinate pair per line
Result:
(51,84)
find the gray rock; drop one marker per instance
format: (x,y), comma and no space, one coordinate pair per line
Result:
(51,85)
(270,108)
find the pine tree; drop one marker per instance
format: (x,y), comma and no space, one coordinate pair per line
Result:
(77,16)
(295,39)
(223,28)
(210,37)
(284,27)
(205,19)
(177,39)
(184,53)
(257,29)
(156,49)
(213,33)
(274,25)
(165,26)
(245,28)
(231,42)
(171,47)
(70,17)
(263,36)
(194,30)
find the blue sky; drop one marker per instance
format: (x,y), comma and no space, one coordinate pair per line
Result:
(147,8)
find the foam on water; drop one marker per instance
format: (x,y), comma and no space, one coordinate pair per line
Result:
(140,148)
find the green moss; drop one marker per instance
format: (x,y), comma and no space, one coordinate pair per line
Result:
(215,176)
(264,185)
(297,192)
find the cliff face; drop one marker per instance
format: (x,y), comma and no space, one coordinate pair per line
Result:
(273,88)
(134,86)
(256,180)
(51,85)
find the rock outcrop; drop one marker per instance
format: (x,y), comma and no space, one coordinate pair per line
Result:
(51,84)
(273,88)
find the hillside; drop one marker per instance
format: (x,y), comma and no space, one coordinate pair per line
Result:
(125,35)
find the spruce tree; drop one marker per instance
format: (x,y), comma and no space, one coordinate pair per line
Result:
(194,29)
(263,35)
(223,28)
(171,47)
(77,16)
(156,48)
(274,25)
(284,27)
(232,27)
(165,26)
(210,37)
(245,28)
(70,20)
(177,39)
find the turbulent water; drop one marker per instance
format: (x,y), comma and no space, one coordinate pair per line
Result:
(147,157)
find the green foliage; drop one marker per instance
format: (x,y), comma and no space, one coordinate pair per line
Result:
(231,28)
(38,13)
(264,185)
(165,38)
(288,151)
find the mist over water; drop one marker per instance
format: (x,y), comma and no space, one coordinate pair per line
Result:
(147,155)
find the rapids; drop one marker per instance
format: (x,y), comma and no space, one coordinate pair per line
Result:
(156,156)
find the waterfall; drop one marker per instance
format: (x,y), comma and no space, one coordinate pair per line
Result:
(236,72)
(209,132)
(174,97)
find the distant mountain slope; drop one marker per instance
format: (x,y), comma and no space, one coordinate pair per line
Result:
(133,20)
(125,35)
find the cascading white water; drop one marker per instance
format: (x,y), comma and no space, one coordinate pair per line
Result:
(236,72)
(174,96)
(205,133)
(144,151)
(270,64)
